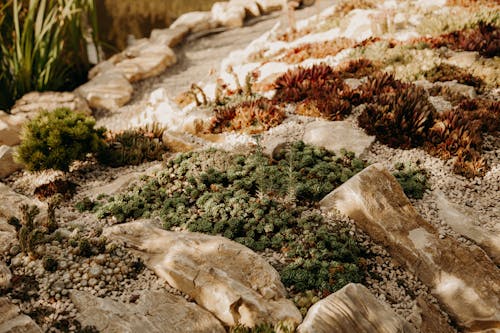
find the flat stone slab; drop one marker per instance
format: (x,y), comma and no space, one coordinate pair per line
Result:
(463,279)
(353,309)
(226,278)
(50,100)
(195,21)
(170,37)
(154,311)
(7,164)
(335,135)
(12,321)
(462,223)
(109,91)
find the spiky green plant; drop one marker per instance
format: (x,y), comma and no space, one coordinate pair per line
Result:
(56,139)
(43,45)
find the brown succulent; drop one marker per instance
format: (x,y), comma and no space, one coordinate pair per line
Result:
(250,116)
(482,112)
(447,93)
(380,84)
(59,186)
(399,118)
(470,164)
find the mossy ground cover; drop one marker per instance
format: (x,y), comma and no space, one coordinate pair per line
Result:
(258,201)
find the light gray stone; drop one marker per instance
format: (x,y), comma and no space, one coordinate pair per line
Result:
(335,135)
(50,100)
(353,309)
(228,15)
(11,126)
(463,89)
(224,277)
(109,91)
(464,59)
(195,21)
(463,279)
(7,164)
(170,37)
(462,222)
(11,321)
(154,311)
(5,276)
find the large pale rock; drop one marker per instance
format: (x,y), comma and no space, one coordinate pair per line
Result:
(462,222)
(11,125)
(146,60)
(109,91)
(11,321)
(5,276)
(335,135)
(463,59)
(170,37)
(224,277)
(353,309)
(458,88)
(162,110)
(195,21)
(251,7)
(7,164)
(178,142)
(50,100)
(155,312)
(464,279)
(228,15)
(268,6)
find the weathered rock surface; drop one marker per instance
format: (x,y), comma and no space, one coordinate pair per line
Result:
(50,100)
(251,7)
(5,276)
(7,164)
(162,110)
(335,135)
(430,318)
(462,223)
(109,91)
(155,312)
(268,6)
(228,15)
(11,125)
(224,277)
(178,142)
(170,37)
(465,280)
(195,21)
(10,202)
(353,309)
(11,321)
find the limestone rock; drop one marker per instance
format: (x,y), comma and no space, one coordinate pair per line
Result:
(195,21)
(353,309)
(109,90)
(5,276)
(462,223)
(146,60)
(463,89)
(335,135)
(155,312)
(228,15)
(251,7)
(170,37)
(11,125)
(7,164)
(224,277)
(431,320)
(464,59)
(50,100)
(162,110)
(11,321)
(463,279)
(178,142)
(268,6)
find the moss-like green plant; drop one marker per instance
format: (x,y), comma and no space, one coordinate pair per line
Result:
(412,179)
(56,139)
(258,201)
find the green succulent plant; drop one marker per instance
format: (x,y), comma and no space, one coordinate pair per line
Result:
(53,140)
(412,179)
(259,201)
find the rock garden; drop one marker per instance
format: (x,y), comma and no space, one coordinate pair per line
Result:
(338,172)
